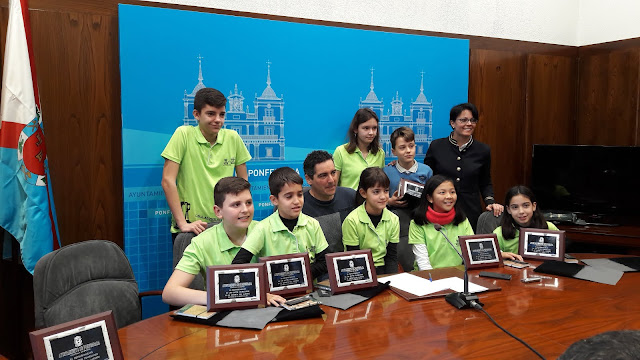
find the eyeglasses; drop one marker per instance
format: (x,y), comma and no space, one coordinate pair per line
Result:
(464,121)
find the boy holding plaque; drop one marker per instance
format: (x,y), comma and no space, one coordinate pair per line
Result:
(287,230)
(217,245)
(403,146)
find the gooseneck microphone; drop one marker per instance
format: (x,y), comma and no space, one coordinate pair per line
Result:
(465,300)
(460,300)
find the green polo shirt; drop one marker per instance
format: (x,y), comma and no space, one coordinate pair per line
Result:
(441,254)
(271,237)
(513,245)
(358,230)
(351,165)
(211,247)
(202,165)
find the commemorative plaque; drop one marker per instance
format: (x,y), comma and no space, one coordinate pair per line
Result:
(93,337)
(239,286)
(481,251)
(351,270)
(409,189)
(542,244)
(288,274)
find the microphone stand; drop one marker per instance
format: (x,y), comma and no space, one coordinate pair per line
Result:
(461,300)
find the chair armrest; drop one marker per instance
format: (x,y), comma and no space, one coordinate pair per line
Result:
(150,293)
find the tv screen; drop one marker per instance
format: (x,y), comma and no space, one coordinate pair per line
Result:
(587,179)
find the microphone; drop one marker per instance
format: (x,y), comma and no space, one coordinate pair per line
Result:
(461,300)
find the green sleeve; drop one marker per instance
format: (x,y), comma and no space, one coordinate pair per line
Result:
(191,259)
(349,232)
(255,240)
(337,158)
(552,226)
(466,228)
(380,162)
(395,229)
(416,234)
(498,232)
(242,154)
(177,145)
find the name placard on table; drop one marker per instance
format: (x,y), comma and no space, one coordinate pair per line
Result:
(481,251)
(543,244)
(351,270)
(233,287)
(93,337)
(288,274)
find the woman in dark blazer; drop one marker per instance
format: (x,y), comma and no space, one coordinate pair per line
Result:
(467,161)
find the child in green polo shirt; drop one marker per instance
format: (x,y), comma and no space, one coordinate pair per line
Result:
(438,205)
(362,151)
(287,230)
(196,158)
(371,225)
(217,245)
(523,212)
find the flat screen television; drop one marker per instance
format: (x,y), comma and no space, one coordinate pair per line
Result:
(596,182)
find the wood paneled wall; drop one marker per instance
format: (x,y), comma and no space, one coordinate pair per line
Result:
(609,94)
(524,98)
(497,82)
(79,78)
(526,92)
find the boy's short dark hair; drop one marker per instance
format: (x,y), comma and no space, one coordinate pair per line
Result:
(229,185)
(402,132)
(281,176)
(209,96)
(314,158)
(619,345)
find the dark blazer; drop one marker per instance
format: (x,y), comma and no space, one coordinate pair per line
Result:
(470,170)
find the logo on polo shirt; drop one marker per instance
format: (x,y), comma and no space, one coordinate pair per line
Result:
(229,162)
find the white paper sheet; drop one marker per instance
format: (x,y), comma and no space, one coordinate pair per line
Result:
(413,284)
(457,284)
(420,286)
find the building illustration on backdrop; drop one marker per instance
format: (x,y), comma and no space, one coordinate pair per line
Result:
(419,118)
(261,130)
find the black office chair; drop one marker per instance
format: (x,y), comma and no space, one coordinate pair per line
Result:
(84,279)
(487,222)
(182,241)
(332,228)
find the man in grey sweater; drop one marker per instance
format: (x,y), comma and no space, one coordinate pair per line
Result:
(325,200)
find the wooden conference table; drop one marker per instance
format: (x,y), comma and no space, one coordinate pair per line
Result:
(549,315)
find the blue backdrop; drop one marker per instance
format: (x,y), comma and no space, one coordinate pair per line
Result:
(291,88)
